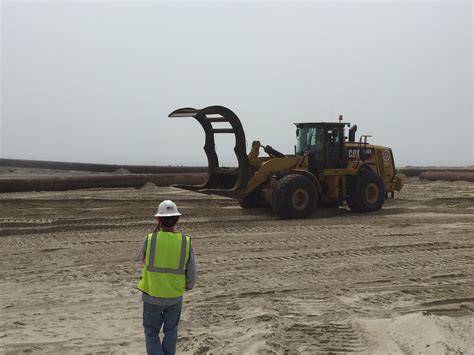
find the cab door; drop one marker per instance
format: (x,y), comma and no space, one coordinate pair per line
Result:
(334,147)
(324,143)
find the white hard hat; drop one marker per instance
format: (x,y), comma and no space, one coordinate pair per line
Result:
(167,209)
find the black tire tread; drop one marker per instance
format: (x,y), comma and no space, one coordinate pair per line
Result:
(248,201)
(357,196)
(280,200)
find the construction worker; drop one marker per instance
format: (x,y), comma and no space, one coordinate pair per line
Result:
(168,271)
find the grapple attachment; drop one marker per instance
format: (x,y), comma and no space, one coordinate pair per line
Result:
(224,181)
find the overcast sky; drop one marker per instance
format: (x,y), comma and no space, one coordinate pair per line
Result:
(95,81)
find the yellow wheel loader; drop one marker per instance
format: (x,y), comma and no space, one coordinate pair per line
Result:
(326,169)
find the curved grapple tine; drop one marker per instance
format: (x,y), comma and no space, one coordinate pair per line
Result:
(220,181)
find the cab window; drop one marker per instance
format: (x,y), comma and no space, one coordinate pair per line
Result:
(307,138)
(333,136)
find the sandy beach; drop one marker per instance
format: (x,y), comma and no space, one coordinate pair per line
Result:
(397,281)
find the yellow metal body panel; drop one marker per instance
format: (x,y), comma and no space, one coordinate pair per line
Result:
(339,172)
(273,165)
(377,158)
(332,182)
(254,161)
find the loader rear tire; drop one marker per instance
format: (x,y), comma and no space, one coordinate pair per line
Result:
(294,197)
(367,192)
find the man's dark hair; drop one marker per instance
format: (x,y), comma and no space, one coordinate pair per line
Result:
(169,221)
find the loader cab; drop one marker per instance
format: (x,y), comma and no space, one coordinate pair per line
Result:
(323,142)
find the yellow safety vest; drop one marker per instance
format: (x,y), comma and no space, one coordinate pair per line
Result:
(163,274)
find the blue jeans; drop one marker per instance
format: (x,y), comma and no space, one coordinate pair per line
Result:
(154,317)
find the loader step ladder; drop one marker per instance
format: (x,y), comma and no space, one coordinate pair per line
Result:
(223,181)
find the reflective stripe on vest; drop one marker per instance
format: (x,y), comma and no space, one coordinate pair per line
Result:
(164,272)
(152,268)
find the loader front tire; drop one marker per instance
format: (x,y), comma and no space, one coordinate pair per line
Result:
(249,201)
(294,197)
(367,192)
(253,200)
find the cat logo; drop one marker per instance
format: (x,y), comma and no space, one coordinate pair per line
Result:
(355,153)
